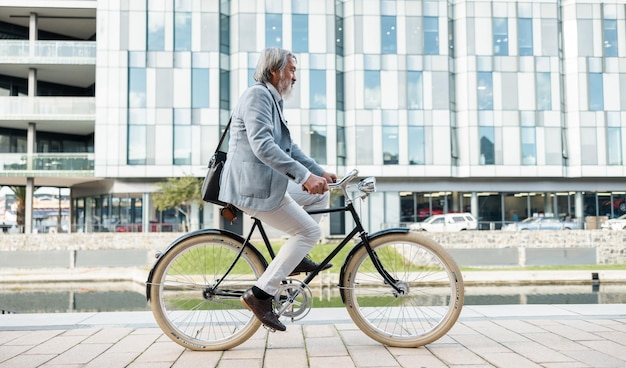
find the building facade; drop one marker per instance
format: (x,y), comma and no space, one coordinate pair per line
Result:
(506,109)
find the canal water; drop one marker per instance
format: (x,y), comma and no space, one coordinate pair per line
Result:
(130,296)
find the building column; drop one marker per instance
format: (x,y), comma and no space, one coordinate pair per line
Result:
(145,212)
(579,208)
(28,215)
(474,204)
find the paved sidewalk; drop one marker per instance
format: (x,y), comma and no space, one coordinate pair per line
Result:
(484,336)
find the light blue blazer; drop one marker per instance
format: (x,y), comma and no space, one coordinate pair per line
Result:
(261,155)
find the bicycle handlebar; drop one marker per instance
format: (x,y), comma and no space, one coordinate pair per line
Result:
(345,180)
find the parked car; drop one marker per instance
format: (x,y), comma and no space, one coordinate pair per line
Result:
(615,224)
(542,223)
(447,222)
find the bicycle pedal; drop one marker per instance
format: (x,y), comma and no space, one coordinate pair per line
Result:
(269,328)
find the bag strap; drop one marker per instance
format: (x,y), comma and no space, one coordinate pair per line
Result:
(219,145)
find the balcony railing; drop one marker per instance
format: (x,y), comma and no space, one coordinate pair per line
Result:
(47,164)
(47,108)
(48,52)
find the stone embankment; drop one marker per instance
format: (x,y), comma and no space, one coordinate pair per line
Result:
(469,248)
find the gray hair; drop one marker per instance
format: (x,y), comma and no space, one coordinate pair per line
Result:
(272,59)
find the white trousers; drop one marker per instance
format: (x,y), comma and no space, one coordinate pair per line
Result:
(303,230)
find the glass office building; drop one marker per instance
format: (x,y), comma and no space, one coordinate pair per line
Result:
(500,108)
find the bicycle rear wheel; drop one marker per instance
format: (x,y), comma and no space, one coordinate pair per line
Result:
(431,285)
(186,303)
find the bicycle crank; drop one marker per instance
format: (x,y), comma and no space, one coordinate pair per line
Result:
(294,299)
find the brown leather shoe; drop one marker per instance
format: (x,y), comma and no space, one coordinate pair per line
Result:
(307,265)
(263,310)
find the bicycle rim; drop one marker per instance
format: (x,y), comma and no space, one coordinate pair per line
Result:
(188,308)
(431,297)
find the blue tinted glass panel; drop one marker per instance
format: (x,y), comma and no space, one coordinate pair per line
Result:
(182,31)
(415,91)
(525,36)
(372,89)
(318,89)
(390,145)
(273,30)
(485,91)
(388,34)
(136,87)
(431,35)
(182,145)
(596,95)
(529,146)
(200,88)
(364,154)
(137,145)
(417,155)
(610,37)
(318,143)
(614,146)
(500,36)
(544,91)
(156,31)
(300,35)
(487,145)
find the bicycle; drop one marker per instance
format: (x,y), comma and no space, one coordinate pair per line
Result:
(400,288)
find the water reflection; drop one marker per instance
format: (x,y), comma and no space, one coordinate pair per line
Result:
(130,296)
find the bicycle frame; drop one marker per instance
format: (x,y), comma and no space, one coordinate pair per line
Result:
(358,229)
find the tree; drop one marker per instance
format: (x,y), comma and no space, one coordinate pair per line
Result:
(20,204)
(179,193)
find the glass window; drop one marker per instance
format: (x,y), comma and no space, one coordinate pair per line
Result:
(300,35)
(339,90)
(525,36)
(487,145)
(500,36)
(273,30)
(224,89)
(554,153)
(610,37)
(596,95)
(200,88)
(544,91)
(364,136)
(318,89)
(182,145)
(182,31)
(585,37)
(136,87)
(431,35)
(390,145)
(339,35)
(529,146)
(415,91)
(372,89)
(341,145)
(156,31)
(318,143)
(417,154)
(224,33)
(485,91)
(589,146)
(137,148)
(414,35)
(614,145)
(388,34)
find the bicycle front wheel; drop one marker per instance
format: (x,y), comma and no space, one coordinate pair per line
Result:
(196,302)
(430,297)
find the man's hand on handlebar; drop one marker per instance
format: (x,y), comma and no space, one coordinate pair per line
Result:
(319,184)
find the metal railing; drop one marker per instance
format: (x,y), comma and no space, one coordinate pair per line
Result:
(47,108)
(48,52)
(15,164)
